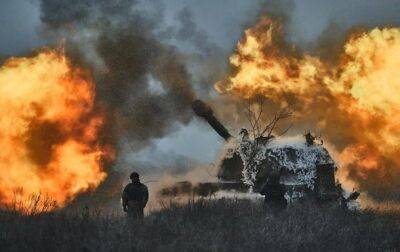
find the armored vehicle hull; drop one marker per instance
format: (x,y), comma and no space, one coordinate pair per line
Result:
(305,167)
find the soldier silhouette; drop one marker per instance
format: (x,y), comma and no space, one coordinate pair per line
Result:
(135,197)
(274,193)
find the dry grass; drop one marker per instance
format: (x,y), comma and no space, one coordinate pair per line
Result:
(208,225)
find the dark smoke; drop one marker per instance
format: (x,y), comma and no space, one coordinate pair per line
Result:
(120,41)
(280,10)
(206,61)
(141,81)
(190,32)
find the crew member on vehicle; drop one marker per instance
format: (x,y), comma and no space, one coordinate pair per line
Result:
(274,193)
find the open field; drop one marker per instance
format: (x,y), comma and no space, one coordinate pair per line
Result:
(208,225)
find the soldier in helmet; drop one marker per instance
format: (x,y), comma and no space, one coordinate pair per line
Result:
(274,193)
(135,197)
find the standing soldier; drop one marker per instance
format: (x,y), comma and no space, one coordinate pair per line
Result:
(274,193)
(135,197)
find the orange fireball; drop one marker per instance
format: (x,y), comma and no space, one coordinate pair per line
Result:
(48,130)
(354,103)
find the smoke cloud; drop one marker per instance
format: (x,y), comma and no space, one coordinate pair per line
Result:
(141,81)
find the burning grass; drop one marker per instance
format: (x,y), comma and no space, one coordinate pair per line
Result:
(216,225)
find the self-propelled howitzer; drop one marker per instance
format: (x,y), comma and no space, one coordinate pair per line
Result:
(305,166)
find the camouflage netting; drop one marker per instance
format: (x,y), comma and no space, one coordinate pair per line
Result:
(289,155)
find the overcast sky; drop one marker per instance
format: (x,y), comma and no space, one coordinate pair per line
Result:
(223,21)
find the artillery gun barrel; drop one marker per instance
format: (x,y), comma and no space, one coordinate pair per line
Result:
(203,110)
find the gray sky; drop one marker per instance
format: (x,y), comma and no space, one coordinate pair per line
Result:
(223,21)
(19,26)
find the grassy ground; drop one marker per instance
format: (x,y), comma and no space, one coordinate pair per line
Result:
(209,225)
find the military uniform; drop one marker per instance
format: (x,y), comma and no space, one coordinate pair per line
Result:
(274,193)
(134,199)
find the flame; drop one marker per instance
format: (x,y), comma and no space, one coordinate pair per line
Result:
(48,130)
(353,103)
